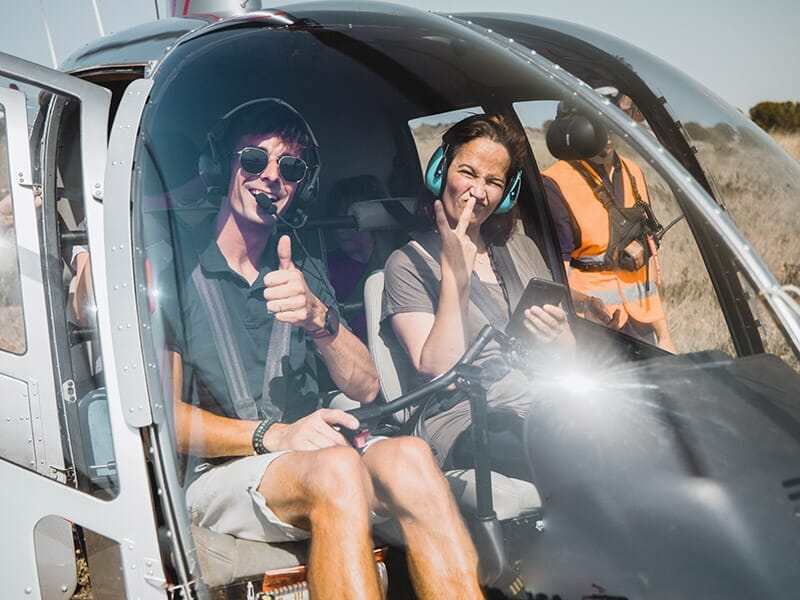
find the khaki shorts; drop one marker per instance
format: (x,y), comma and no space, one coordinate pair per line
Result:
(225,499)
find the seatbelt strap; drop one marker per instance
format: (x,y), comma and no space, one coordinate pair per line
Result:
(479,293)
(509,274)
(244,403)
(277,351)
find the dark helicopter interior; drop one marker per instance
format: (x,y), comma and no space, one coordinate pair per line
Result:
(358,100)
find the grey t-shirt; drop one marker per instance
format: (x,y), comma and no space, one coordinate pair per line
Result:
(411,284)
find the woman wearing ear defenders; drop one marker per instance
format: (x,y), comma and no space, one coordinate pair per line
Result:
(445,285)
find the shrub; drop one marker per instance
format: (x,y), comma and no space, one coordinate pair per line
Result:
(776,116)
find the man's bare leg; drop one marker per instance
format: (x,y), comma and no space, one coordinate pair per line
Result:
(409,485)
(329,492)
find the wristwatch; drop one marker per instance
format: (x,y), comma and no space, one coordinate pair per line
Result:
(331,326)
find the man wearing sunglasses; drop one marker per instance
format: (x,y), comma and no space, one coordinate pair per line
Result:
(274,466)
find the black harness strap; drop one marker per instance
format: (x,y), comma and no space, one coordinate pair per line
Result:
(232,366)
(598,186)
(630,222)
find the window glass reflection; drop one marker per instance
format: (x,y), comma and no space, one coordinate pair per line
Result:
(12,328)
(759,188)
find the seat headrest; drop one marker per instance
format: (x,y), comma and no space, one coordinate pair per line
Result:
(380,214)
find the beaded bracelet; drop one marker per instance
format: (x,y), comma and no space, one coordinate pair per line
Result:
(258,436)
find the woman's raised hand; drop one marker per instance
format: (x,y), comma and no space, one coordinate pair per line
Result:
(458,249)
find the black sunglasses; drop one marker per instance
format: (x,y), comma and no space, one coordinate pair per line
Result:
(254,160)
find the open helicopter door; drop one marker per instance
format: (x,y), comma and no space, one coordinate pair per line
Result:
(73,469)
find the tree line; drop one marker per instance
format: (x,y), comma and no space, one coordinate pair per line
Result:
(777,116)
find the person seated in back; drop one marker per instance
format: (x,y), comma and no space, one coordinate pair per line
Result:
(358,253)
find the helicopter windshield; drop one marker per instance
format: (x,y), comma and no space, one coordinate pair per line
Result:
(377,97)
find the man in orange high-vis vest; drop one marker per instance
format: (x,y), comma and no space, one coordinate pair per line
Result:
(579,193)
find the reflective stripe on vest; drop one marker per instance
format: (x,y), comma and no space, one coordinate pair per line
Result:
(617,289)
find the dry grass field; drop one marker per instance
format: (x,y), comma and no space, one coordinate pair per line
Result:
(789,142)
(762,196)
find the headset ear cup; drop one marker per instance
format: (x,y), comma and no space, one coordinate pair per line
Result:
(510,197)
(434,173)
(210,174)
(309,186)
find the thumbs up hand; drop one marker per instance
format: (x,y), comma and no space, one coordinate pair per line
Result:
(287,293)
(285,253)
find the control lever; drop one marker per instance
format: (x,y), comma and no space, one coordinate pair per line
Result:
(437,384)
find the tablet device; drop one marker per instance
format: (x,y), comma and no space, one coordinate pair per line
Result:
(538,292)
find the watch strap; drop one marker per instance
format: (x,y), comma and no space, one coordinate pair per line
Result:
(331,326)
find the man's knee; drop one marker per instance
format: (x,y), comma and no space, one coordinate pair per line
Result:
(414,453)
(337,475)
(411,469)
(307,489)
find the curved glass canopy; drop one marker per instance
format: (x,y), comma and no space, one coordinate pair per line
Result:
(378,90)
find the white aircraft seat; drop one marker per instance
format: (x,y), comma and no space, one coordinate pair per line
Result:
(224,559)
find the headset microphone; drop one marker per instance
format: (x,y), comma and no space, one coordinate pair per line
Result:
(265,202)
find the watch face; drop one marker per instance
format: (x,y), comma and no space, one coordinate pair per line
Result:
(332,321)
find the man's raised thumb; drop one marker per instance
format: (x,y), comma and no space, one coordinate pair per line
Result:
(285,253)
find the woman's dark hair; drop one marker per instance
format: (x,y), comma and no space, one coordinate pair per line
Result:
(498,227)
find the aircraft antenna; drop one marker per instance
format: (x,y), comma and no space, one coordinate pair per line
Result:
(49,36)
(158,16)
(98,19)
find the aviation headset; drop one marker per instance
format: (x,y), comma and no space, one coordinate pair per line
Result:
(436,174)
(214,164)
(576,135)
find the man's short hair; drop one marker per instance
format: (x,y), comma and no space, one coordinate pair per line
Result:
(265,117)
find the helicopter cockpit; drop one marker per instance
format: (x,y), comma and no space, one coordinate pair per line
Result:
(378,89)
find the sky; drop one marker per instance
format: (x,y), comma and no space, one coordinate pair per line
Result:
(746,51)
